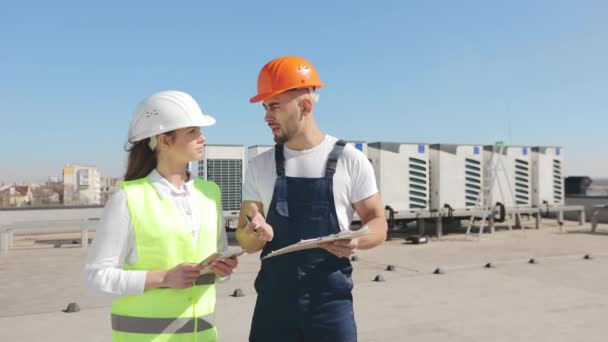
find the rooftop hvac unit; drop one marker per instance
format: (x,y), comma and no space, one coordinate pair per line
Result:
(223,164)
(402,173)
(456,176)
(256,150)
(513,176)
(547,178)
(359,145)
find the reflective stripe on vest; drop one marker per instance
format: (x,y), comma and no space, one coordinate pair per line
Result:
(147,325)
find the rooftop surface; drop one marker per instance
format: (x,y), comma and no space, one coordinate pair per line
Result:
(562,297)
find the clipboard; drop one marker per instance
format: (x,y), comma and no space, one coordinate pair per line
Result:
(314,243)
(229,253)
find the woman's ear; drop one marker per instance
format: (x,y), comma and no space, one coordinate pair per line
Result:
(163,140)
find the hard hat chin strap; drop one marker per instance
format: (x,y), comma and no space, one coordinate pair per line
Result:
(153,142)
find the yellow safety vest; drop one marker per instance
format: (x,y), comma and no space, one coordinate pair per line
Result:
(163,241)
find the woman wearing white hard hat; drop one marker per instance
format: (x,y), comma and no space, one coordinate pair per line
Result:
(158,227)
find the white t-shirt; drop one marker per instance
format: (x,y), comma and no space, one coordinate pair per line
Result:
(353,181)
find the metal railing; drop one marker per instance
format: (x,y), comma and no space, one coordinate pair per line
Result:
(47,220)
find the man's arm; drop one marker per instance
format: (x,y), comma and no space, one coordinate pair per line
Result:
(252,236)
(371,212)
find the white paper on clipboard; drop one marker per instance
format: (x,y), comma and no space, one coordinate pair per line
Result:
(228,253)
(314,243)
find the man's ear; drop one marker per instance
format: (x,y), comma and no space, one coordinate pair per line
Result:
(305,106)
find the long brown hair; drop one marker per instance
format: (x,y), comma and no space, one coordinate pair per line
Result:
(142,160)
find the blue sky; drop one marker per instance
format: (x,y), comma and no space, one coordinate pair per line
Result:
(528,72)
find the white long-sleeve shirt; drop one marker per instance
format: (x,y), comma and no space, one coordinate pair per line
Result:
(114,244)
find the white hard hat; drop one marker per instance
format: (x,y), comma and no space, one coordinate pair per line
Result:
(166,111)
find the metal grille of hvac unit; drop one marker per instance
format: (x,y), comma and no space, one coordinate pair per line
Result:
(418,183)
(522,182)
(472,184)
(227,173)
(201,169)
(557,181)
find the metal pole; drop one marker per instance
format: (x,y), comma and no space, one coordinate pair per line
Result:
(420,224)
(594,220)
(3,241)
(84,235)
(438,226)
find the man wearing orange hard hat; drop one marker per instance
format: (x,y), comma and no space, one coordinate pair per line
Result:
(308,186)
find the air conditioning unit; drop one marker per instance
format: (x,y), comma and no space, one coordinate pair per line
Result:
(513,179)
(256,150)
(547,177)
(456,176)
(359,145)
(223,164)
(402,173)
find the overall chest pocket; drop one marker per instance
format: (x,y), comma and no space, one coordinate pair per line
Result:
(317,211)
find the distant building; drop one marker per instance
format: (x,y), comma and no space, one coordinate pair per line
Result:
(16,195)
(50,193)
(108,186)
(54,180)
(81,185)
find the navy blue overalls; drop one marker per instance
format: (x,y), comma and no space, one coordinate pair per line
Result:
(304,295)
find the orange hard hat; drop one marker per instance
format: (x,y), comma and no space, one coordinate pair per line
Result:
(285,73)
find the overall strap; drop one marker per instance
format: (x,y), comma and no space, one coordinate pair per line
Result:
(332,160)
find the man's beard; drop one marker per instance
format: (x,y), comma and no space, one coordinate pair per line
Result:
(281,139)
